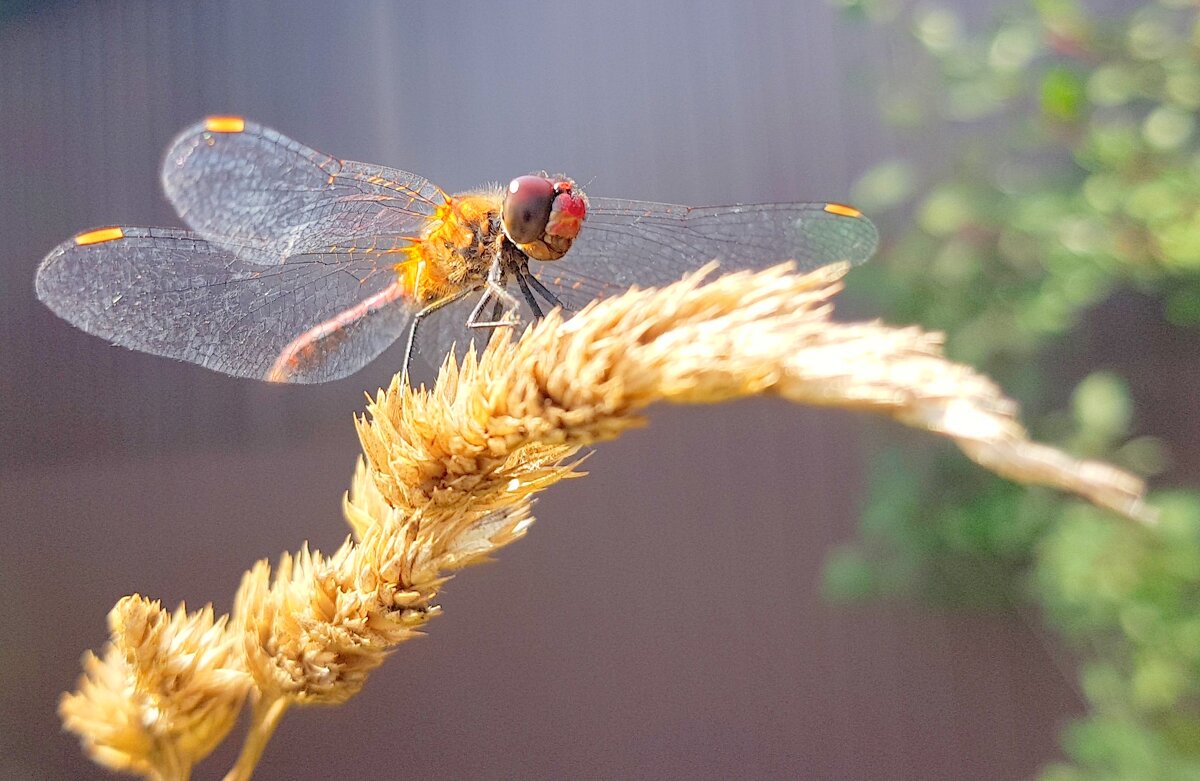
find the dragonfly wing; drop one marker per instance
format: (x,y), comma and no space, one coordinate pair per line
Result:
(241,185)
(624,243)
(171,293)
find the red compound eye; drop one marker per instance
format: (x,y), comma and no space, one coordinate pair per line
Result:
(527,208)
(570,201)
(567,215)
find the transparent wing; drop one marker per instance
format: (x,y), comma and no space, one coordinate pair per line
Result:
(171,293)
(241,185)
(624,243)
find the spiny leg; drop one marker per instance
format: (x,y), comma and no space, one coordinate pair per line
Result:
(529,299)
(473,320)
(545,291)
(416,321)
(497,311)
(495,291)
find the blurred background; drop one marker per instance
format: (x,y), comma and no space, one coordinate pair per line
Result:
(749,590)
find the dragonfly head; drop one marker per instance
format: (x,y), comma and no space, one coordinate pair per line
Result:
(542,215)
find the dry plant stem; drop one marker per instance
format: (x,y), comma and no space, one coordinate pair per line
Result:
(265,718)
(448,475)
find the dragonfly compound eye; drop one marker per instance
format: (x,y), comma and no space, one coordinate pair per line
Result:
(527,208)
(567,213)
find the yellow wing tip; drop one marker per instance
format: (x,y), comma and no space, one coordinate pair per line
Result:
(225,124)
(842,210)
(99,235)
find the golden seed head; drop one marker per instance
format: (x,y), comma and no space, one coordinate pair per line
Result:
(165,692)
(305,632)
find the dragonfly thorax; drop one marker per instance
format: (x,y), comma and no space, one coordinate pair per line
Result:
(457,248)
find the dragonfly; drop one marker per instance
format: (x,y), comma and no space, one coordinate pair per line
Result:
(301,267)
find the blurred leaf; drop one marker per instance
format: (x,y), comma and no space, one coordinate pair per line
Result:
(1183,306)
(903,110)
(1062,772)
(1150,39)
(1013,48)
(1110,146)
(1111,85)
(1062,94)
(1183,87)
(848,576)
(885,186)
(945,211)
(1155,200)
(1180,516)
(1104,191)
(1116,743)
(1080,573)
(937,28)
(1168,127)
(1103,685)
(1180,245)
(1062,16)
(1144,455)
(973,100)
(1158,683)
(1102,405)
(1182,732)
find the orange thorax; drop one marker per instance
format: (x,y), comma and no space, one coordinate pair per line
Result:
(456,248)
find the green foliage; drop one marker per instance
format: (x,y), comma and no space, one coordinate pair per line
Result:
(1078,177)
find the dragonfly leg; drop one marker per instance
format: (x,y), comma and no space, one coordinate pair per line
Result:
(416,321)
(529,299)
(473,320)
(494,292)
(496,320)
(545,291)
